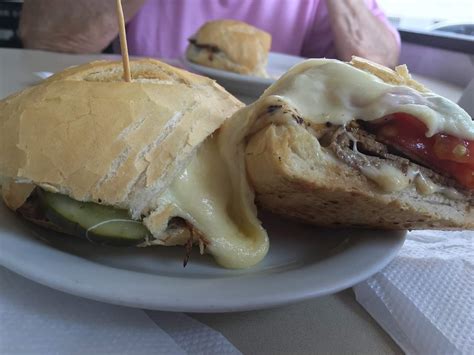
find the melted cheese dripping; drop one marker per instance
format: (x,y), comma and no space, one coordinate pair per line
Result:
(213,194)
(387,177)
(325,90)
(390,179)
(205,196)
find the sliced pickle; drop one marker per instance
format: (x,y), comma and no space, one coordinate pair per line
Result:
(99,224)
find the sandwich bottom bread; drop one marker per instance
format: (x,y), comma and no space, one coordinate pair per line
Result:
(359,145)
(129,163)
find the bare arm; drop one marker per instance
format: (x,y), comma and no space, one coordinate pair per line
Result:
(358,32)
(75,26)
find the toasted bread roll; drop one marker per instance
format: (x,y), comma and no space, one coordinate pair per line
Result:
(145,147)
(311,154)
(231,45)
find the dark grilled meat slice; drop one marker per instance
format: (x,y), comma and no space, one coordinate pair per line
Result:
(358,148)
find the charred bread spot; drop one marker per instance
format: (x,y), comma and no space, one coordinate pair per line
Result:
(297,118)
(273,108)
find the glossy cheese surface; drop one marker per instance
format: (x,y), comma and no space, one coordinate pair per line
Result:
(326,90)
(204,195)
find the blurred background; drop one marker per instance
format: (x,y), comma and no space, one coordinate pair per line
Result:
(431,15)
(437,35)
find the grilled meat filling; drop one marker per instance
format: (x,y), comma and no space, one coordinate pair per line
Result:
(359,148)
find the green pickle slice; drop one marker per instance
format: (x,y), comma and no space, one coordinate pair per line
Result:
(98,223)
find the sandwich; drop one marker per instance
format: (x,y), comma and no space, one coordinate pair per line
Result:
(357,144)
(129,163)
(232,46)
(173,159)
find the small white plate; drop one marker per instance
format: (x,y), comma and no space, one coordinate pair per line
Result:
(303,262)
(251,86)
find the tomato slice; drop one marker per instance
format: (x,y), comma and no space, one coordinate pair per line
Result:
(451,148)
(447,154)
(463,173)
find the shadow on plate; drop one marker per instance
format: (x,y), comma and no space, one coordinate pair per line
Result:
(292,245)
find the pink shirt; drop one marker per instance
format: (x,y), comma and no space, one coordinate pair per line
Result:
(300,27)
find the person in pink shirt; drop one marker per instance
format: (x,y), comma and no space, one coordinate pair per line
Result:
(161,28)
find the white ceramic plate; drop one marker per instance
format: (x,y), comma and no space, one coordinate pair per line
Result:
(246,85)
(303,262)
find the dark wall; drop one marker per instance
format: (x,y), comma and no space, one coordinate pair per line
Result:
(9,19)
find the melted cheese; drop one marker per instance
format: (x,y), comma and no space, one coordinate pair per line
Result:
(387,177)
(213,194)
(204,195)
(325,90)
(427,187)
(390,179)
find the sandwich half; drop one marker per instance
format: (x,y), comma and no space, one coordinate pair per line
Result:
(359,145)
(232,46)
(133,163)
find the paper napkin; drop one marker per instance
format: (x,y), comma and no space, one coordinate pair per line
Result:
(35,319)
(425,298)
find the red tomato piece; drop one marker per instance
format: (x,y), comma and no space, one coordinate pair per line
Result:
(445,153)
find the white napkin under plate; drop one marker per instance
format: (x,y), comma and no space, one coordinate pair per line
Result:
(425,298)
(35,319)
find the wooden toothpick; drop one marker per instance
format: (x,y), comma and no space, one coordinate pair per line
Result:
(123,43)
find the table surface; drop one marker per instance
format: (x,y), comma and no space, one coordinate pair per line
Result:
(330,324)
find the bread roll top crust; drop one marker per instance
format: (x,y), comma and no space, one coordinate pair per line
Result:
(86,133)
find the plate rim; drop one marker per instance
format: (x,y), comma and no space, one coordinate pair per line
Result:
(164,299)
(226,75)
(241,78)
